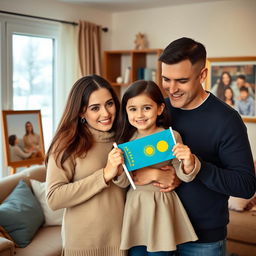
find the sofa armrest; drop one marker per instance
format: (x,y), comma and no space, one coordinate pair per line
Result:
(6,247)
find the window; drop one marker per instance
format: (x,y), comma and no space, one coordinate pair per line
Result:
(28,68)
(32,77)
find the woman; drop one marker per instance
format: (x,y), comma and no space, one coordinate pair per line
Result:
(31,140)
(78,178)
(225,81)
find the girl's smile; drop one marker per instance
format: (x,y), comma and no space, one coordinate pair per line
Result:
(142,113)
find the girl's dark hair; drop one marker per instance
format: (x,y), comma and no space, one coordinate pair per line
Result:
(221,86)
(12,139)
(72,137)
(125,129)
(232,99)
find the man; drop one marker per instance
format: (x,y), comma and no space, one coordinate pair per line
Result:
(217,135)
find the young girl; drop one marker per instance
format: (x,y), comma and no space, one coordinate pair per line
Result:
(154,222)
(80,169)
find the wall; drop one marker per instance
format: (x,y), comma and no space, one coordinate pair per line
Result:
(62,11)
(55,10)
(226,28)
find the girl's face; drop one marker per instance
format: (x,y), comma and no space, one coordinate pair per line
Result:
(142,113)
(228,94)
(101,111)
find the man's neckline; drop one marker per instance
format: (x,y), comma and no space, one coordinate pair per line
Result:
(208,94)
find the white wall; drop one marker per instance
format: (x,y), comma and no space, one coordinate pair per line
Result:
(226,28)
(61,11)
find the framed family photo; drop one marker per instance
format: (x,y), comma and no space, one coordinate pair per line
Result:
(233,80)
(23,136)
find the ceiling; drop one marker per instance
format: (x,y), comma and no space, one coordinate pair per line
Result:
(129,5)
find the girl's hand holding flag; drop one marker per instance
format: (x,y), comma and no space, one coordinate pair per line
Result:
(183,153)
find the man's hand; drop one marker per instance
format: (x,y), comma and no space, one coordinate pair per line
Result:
(144,176)
(164,178)
(167,179)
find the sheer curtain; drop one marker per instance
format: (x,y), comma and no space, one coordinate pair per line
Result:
(89,48)
(68,68)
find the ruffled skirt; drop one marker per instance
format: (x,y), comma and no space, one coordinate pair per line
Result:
(155,219)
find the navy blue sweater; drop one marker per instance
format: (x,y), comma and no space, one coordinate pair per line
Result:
(217,135)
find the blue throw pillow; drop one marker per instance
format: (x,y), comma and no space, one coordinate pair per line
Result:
(21,214)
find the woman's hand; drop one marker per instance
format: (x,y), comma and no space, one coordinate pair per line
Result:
(182,152)
(115,159)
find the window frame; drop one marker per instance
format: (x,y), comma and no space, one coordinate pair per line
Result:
(26,26)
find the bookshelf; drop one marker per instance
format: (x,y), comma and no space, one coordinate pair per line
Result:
(117,62)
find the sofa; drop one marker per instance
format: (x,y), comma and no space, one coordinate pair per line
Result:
(47,238)
(241,238)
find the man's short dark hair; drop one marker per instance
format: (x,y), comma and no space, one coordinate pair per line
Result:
(183,49)
(12,139)
(241,77)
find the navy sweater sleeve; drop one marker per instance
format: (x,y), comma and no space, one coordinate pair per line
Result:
(217,135)
(233,171)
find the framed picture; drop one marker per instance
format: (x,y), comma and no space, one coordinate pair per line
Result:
(233,80)
(23,136)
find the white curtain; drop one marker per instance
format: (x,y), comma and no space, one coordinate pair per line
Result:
(68,70)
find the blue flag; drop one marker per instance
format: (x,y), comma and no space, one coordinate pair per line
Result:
(148,150)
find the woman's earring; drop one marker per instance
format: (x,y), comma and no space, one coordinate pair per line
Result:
(82,120)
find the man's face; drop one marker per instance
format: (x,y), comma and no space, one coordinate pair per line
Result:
(240,82)
(183,83)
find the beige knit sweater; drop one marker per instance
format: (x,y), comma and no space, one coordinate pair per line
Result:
(94,210)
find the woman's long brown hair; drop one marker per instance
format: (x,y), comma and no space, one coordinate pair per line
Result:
(72,137)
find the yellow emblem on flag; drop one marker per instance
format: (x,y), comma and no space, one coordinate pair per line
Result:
(162,146)
(149,150)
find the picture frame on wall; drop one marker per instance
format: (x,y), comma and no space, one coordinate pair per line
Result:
(233,80)
(23,137)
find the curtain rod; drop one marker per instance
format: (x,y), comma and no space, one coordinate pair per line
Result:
(105,29)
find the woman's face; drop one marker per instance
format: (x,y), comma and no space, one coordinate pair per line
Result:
(29,127)
(225,79)
(101,111)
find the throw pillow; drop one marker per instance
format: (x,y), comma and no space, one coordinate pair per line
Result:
(241,204)
(237,204)
(52,218)
(4,234)
(21,214)
(251,206)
